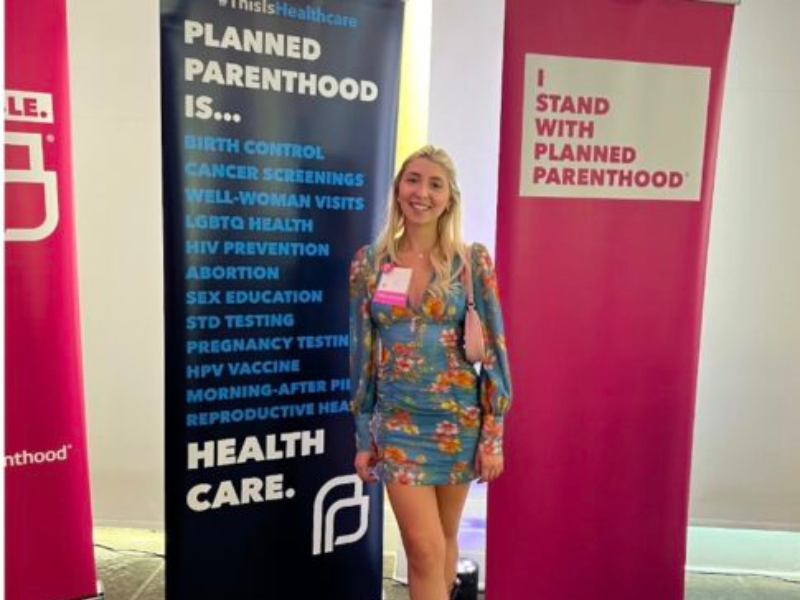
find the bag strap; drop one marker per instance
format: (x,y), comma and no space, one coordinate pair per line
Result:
(466,278)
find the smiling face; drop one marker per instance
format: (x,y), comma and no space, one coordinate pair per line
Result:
(423,192)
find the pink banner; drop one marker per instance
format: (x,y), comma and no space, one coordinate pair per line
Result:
(49,553)
(610,119)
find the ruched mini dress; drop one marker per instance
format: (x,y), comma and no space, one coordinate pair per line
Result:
(414,395)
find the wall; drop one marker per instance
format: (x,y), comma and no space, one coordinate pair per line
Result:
(464,110)
(117,140)
(747,451)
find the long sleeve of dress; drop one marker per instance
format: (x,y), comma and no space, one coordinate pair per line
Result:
(495,392)
(363,347)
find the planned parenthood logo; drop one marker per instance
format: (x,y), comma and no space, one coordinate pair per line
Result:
(30,107)
(325,538)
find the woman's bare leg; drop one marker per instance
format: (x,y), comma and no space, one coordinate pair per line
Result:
(417,512)
(451,500)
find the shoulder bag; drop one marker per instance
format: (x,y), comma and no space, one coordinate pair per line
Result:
(474,348)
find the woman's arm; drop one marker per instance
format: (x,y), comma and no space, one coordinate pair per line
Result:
(495,393)
(363,347)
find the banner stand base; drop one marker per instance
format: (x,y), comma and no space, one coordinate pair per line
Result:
(101,592)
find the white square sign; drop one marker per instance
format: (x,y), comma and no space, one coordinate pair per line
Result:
(612,129)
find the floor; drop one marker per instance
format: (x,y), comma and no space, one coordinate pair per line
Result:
(130,564)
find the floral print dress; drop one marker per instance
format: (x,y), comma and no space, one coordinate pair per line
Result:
(414,395)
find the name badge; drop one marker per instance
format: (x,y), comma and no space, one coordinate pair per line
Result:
(393,286)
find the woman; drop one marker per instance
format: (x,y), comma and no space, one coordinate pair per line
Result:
(426,423)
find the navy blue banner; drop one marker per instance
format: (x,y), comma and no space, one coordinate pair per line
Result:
(278,146)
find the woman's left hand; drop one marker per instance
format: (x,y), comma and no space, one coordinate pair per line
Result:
(365,463)
(488,466)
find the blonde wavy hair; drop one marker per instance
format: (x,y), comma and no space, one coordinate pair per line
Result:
(449,241)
